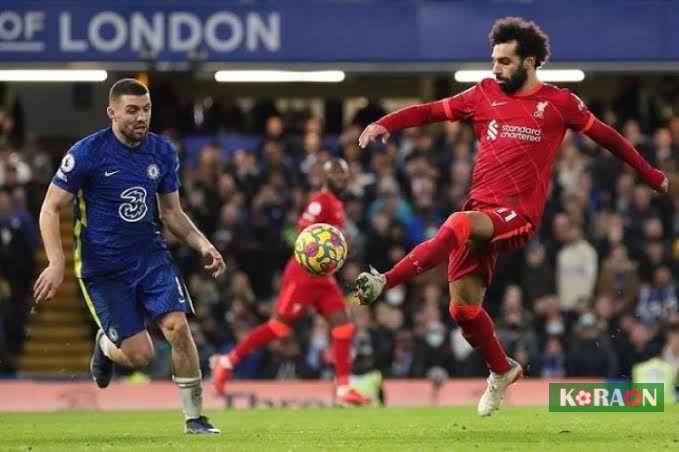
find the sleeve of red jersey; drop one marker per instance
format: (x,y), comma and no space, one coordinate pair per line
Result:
(608,137)
(579,118)
(575,113)
(319,211)
(455,108)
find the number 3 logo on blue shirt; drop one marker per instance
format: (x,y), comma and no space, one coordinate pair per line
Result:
(135,209)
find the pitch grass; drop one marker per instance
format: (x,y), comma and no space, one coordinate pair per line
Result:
(386,429)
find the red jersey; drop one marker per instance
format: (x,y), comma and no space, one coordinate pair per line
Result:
(519,137)
(323,207)
(299,288)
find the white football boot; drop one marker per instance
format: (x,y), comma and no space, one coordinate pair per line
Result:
(496,388)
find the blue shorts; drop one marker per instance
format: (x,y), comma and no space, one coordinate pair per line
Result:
(122,305)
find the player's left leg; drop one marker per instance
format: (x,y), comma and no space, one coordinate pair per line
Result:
(166,301)
(187,373)
(458,229)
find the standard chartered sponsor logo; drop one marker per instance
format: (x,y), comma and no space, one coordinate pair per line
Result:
(521,133)
(510,131)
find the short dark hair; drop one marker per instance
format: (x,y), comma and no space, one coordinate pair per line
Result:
(126,86)
(530,39)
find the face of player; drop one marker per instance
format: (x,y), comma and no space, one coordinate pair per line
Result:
(131,116)
(336,178)
(510,70)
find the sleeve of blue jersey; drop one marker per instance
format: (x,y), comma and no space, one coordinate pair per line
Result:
(73,169)
(169,182)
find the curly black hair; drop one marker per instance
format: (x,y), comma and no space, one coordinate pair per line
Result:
(530,39)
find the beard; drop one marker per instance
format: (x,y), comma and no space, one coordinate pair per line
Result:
(133,134)
(515,82)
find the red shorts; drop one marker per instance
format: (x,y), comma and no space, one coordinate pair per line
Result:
(511,231)
(300,289)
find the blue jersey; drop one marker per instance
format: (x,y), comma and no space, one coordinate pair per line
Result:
(116,228)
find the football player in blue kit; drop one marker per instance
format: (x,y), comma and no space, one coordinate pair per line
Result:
(122,263)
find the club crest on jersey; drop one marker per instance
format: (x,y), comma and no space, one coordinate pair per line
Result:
(540,109)
(491,133)
(153,172)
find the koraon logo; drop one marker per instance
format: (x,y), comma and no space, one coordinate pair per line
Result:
(606,397)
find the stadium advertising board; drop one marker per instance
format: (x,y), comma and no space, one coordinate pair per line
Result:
(322,31)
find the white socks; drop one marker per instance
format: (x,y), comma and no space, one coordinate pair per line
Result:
(191,394)
(107,346)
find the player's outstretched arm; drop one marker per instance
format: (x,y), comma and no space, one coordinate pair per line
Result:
(412,116)
(606,136)
(51,277)
(180,224)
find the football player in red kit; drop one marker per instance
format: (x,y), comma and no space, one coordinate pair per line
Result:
(519,123)
(300,290)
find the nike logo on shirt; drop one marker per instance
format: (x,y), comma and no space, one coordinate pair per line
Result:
(110,173)
(495,104)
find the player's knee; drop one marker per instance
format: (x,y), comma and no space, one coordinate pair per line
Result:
(469,290)
(459,224)
(176,329)
(470,225)
(138,350)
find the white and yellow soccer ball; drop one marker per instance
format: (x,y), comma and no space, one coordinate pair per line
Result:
(321,249)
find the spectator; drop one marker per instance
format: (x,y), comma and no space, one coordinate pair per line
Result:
(17,247)
(576,270)
(515,332)
(590,353)
(657,300)
(619,277)
(553,360)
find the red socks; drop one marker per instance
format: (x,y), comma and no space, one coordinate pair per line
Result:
(427,255)
(478,329)
(262,335)
(341,344)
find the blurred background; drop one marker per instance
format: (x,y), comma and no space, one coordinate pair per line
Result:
(594,295)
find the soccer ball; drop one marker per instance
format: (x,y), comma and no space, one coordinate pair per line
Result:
(321,249)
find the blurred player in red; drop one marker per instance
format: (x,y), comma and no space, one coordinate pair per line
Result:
(519,123)
(300,290)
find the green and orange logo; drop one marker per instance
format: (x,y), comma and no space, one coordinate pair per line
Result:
(606,397)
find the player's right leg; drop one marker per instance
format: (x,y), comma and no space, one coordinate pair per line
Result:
(458,229)
(122,337)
